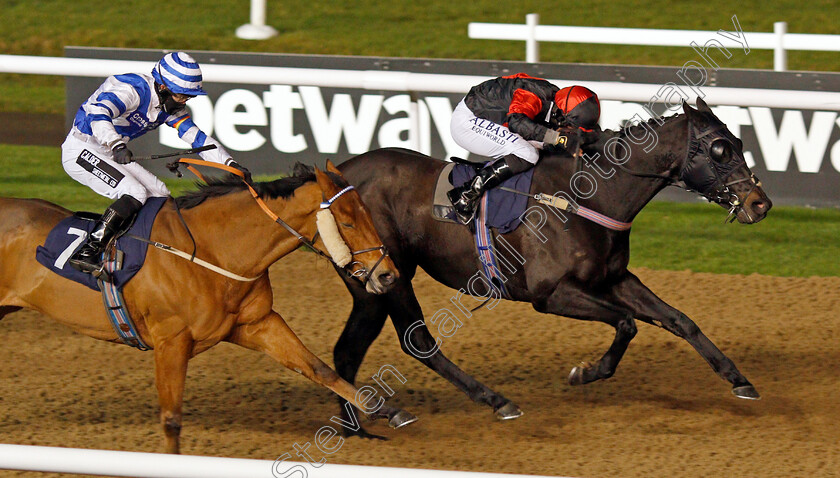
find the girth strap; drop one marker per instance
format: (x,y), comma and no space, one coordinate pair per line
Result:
(584,212)
(115,306)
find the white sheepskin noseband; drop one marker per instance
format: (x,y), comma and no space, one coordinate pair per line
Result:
(335,244)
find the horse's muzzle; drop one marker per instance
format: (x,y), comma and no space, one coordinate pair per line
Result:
(381,282)
(756,206)
(380,276)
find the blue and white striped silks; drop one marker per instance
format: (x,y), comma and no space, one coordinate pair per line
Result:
(180,73)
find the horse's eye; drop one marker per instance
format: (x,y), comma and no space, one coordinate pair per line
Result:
(347,225)
(720,150)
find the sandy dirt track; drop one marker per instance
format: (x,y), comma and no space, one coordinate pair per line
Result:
(664,414)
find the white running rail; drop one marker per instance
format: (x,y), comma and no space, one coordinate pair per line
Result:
(780,41)
(409,82)
(153,465)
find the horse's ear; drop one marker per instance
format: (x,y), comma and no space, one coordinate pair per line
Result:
(331,168)
(687,109)
(701,105)
(324,180)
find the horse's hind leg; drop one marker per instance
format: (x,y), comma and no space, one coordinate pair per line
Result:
(416,341)
(273,336)
(171,357)
(650,308)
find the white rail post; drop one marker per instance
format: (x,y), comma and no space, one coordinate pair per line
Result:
(779,52)
(532,47)
(257,29)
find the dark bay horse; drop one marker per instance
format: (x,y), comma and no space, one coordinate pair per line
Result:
(181,309)
(572,267)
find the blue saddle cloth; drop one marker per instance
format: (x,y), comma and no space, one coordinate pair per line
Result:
(69,235)
(504,208)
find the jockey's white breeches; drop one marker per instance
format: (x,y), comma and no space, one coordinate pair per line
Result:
(93,165)
(486,138)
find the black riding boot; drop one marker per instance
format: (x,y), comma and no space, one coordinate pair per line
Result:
(118,215)
(465,198)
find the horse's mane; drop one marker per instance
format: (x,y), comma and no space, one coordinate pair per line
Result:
(654,122)
(634,130)
(279,188)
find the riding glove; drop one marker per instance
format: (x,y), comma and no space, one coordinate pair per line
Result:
(571,140)
(566,139)
(122,155)
(245,171)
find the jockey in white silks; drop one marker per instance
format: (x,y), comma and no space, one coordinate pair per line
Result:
(96,154)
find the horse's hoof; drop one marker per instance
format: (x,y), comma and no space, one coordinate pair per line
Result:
(401,419)
(508,412)
(576,375)
(747,392)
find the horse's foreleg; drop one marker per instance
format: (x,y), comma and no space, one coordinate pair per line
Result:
(273,336)
(580,304)
(650,308)
(417,342)
(171,357)
(363,326)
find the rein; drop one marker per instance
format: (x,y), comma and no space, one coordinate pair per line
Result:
(362,274)
(719,192)
(193,259)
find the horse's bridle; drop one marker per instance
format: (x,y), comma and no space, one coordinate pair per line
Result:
(720,190)
(362,274)
(692,171)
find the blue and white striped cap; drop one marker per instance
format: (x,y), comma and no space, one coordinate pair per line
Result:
(180,73)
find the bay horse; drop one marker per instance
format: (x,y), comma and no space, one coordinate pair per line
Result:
(572,267)
(230,231)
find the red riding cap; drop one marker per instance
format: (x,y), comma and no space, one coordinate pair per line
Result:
(579,106)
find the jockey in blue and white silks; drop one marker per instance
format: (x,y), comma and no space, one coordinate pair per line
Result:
(125,107)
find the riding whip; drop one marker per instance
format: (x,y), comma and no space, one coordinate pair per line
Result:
(177,153)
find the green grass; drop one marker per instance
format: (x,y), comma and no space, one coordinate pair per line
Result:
(424,29)
(791,241)
(36,172)
(665,235)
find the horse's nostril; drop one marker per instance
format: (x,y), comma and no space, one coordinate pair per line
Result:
(386,278)
(759,206)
